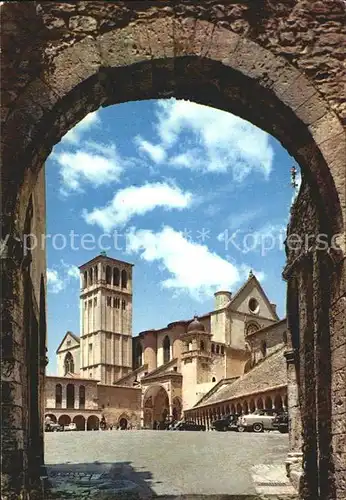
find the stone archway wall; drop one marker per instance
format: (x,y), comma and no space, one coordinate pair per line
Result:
(277,64)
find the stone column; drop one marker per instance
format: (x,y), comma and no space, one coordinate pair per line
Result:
(294,459)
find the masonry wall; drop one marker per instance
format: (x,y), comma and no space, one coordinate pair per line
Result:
(117,402)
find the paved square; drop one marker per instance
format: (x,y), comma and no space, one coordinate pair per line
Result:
(173,463)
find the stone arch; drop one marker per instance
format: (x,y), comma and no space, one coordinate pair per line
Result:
(64,420)
(93,423)
(239,408)
(79,420)
(240,68)
(156,398)
(233,410)
(123,421)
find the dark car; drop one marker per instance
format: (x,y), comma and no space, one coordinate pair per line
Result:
(227,423)
(280,422)
(188,425)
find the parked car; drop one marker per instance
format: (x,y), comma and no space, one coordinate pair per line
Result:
(188,425)
(280,422)
(258,421)
(227,423)
(70,427)
(53,427)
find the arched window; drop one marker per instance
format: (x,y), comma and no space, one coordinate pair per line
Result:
(212,348)
(116,276)
(70,396)
(82,397)
(85,279)
(123,279)
(138,355)
(217,349)
(95,274)
(251,328)
(58,395)
(166,349)
(108,275)
(202,345)
(91,275)
(213,379)
(69,363)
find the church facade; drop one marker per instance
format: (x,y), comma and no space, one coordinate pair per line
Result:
(161,373)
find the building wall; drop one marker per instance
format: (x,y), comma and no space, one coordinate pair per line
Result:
(91,395)
(117,401)
(74,349)
(219,326)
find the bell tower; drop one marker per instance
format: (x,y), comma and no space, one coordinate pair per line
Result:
(195,361)
(106,319)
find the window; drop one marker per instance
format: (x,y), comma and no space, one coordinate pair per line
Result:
(82,397)
(202,345)
(70,396)
(123,305)
(85,279)
(166,349)
(58,395)
(175,368)
(69,363)
(90,303)
(68,342)
(109,301)
(116,276)
(95,274)
(90,347)
(90,375)
(108,275)
(253,305)
(95,301)
(123,279)
(213,379)
(217,349)
(212,348)
(251,328)
(222,350)
(91,276)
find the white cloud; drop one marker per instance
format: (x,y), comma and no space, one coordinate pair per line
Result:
(55,283)
(237,220)
(74,135)
(192,267)
(155,152)
(59,278)
(138,200)
(96,164)
(222,142)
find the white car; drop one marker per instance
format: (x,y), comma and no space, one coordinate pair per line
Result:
(70,427)
(258,421)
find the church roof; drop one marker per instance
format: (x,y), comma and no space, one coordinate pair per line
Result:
(268,374)
(75,337)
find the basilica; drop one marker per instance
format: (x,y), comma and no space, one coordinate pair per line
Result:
(228,359)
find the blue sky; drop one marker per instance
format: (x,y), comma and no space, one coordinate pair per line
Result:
(193,197)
